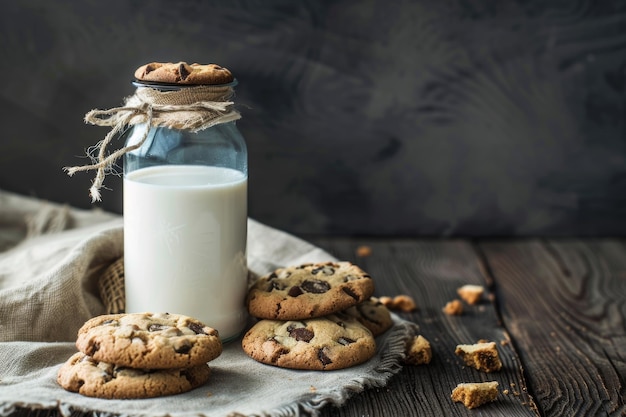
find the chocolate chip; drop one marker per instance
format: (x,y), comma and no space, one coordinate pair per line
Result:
(274,286)
(197,328)
(156,327)
(151,67)
(92,348)
(351,293)
(326,270)
(295,325)
(183,348)
(183,71)
(189,376)
(294,291)
(345,341)
(272,276)
(106,322)
(301,334)
(323,357)
(315,286)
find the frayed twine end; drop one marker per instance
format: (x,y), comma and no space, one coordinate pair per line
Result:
(70,170)
(208,106)
(94,192)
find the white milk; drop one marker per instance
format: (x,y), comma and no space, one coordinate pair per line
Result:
(185,243)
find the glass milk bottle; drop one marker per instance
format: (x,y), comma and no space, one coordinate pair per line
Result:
(185,220)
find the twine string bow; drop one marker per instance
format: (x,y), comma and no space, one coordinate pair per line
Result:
(192,108)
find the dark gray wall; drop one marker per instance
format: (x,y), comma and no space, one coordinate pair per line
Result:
(486,117)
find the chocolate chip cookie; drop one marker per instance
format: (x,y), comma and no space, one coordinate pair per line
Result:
(149,341)
(308,291)
(92,378)
(372,314)
(184,73)
(327,343)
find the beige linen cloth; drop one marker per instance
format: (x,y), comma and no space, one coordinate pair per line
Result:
(50,259)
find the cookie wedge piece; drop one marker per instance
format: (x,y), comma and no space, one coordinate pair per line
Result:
(475,394)
(322,344)
(482,356)
(308,291)
(86,376)
(418,351)
(149,340)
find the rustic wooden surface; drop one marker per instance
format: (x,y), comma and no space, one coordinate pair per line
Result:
(556,308)
(564,304)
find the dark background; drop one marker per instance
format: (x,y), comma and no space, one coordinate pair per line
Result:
(431,118)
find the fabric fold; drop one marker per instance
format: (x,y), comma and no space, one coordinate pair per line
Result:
(48,289)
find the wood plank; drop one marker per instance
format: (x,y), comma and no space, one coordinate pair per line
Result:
(431,271)
(564,303)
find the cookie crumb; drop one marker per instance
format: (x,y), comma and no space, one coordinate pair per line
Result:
(475,394)
(404,303)
(471,294)
(453,308)
(482,356)
(386,301)
(418,351)
(363,251)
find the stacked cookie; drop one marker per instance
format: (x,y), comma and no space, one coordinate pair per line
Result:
(315,316)
(140,356)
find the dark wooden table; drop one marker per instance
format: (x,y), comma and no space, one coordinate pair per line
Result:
(555,307)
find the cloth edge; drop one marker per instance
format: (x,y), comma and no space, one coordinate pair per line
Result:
(390,364)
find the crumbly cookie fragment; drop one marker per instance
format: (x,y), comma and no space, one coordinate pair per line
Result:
(184,73)
(418,351)
(482,356)
(453,308)
(386,301)
(373,315)
(308,291)
(325,343)
(92,378)
(475,394)
(363,251)
(402,302)
(471,294)
(149,340)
